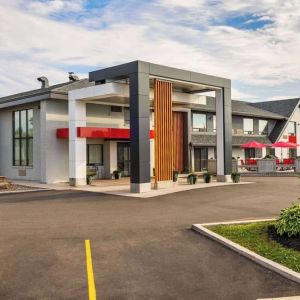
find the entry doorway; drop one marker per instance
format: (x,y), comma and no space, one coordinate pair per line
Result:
(123,158)
(200,158)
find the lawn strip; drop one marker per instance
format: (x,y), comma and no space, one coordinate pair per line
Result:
(254,237)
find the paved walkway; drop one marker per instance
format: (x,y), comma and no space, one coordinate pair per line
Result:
(141,248)
(122,187)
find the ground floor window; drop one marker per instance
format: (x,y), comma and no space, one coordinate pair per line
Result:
(249,153)
(95,154)
(270,151)
(292,153)
(123,158)
(23,137)
(200,158)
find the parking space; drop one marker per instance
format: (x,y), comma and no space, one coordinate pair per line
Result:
(141,248)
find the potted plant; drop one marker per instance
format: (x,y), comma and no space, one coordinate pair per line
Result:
(192,178)
(117,174)
(236,177)
(175,176)
(207,177)
(90,176)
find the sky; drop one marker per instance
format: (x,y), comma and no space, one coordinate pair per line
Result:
(255,43)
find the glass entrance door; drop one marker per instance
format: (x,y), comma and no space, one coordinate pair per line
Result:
(200,158)
(123,158)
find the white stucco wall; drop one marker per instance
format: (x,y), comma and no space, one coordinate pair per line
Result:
(55,152)
(284,136)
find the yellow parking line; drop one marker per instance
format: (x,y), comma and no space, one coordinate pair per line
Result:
(90,273)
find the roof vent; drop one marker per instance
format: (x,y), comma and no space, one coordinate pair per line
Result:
(73,77)
(45,82)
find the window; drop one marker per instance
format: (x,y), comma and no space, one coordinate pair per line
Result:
(214,123)
(116,108)
(291,128)
(248,126)
(249,153)
(23,137)
(270,151)
(95,154)
(292,152)
(262,127)
(199,122)
(126,116)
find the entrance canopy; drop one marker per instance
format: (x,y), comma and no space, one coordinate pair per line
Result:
(143,85)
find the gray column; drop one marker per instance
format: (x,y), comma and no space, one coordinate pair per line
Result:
(139,132)
(224,134)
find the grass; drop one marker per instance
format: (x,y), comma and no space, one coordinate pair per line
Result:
(254,236)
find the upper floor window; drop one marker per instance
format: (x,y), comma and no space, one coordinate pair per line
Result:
(199,122)
(214,123)
(126,115)
(263,127)
(23,137)
(248,126)
(291,128)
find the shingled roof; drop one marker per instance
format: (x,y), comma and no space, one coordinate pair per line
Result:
(241,108)
(61,88)
(283,107)
(237,140)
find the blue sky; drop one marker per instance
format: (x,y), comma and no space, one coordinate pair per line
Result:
(255,43)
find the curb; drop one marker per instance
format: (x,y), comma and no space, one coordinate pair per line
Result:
(265,262)
(25,191)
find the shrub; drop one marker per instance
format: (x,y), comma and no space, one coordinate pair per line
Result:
(236,177)
(289,221)
(192,178)
(175,176)
(90,176)
(207,177)
(117,174)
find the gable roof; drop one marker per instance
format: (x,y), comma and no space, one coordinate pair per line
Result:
(284,107)
(240,108)
(61,88)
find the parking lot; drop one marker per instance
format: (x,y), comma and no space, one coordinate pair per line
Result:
(141,248)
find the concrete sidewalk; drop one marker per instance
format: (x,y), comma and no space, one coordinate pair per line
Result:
(121,188)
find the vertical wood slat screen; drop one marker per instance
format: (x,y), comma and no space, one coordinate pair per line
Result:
(163,130)
(178,140)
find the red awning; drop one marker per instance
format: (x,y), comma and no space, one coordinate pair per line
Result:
(99,133)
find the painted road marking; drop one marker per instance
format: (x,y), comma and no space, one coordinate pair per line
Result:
(90,272)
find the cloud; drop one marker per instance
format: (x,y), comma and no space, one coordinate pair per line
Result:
(49,7)
(53,37)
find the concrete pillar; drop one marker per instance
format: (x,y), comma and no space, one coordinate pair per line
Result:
(139,132)
(110,158)
(224,134)
(77,146)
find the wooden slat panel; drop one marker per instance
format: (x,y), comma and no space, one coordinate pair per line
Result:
(163,130)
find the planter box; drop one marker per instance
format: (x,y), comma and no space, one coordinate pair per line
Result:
(266,165)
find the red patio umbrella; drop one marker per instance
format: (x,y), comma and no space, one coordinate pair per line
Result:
(282,144)
(253,144)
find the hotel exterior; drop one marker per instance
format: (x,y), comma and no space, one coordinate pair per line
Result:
(142,119)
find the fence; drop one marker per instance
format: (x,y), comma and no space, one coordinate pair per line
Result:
(259,166)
